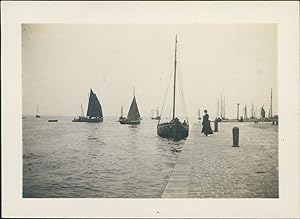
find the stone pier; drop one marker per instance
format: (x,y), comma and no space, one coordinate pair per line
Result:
(209,167)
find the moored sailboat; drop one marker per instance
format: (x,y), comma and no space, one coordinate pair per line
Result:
(37,115)
(175,129)
(133,116)
(81,118)
(199,114)
(122,117)
(157,117)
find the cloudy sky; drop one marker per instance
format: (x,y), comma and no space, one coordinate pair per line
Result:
(61,62)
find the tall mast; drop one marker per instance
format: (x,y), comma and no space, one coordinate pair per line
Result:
(218,109)
(175,63)
(82,113)
(252,110)
(221,106)
(224,107)
(256,112)
(37,109)
(88,103)
(271,113)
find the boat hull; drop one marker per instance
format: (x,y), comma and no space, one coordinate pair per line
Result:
(85,119)
(130,122)
(173,130)
(156,118)
(37,116)
(80,119)
(52,120)
(94,120)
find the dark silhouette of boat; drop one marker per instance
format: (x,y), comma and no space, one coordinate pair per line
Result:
(52,120)
(175,129)
(133,116)
(199,114)
(157,117)
(81,118)
(121,117)
(262,112)
(37,115)
(94,111)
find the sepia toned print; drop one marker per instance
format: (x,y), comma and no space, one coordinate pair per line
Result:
(213,88)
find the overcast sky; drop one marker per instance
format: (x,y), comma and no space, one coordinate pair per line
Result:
(61,62)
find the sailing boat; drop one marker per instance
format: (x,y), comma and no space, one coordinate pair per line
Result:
(133,116)
(245,113)
(157,115)
(199,114)
(122,117)
(94,111)
(37,112)
(262,112)
(81,118)
(174,129)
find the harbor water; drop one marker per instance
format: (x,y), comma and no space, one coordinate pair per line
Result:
(109,160)
(95,160)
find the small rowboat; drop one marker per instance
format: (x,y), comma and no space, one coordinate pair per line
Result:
(52,120)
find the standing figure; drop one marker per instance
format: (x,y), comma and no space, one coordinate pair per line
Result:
(206,129)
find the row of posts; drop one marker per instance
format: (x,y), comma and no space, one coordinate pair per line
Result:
(235,134)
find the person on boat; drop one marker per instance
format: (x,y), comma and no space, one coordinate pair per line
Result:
(206,129)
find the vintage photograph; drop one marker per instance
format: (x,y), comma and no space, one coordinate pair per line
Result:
(150,111)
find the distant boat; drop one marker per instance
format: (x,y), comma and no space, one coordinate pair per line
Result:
(262,112)
(122,117)
(37,112)
(174,129)
(199,114)
(94,111)
(81,118)
(133,116)
(271,110)
(52,120)
(157,117)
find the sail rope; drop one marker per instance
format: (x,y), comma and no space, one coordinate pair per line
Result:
(166,94)
(181,90)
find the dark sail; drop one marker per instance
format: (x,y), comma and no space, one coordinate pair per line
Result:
(133,113)
(94,107)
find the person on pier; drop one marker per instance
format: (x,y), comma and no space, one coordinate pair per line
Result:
(206,129)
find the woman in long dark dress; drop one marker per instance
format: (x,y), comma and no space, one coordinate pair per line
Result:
(206,129)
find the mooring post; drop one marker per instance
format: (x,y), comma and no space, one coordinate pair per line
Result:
(235,135)
(216,126)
